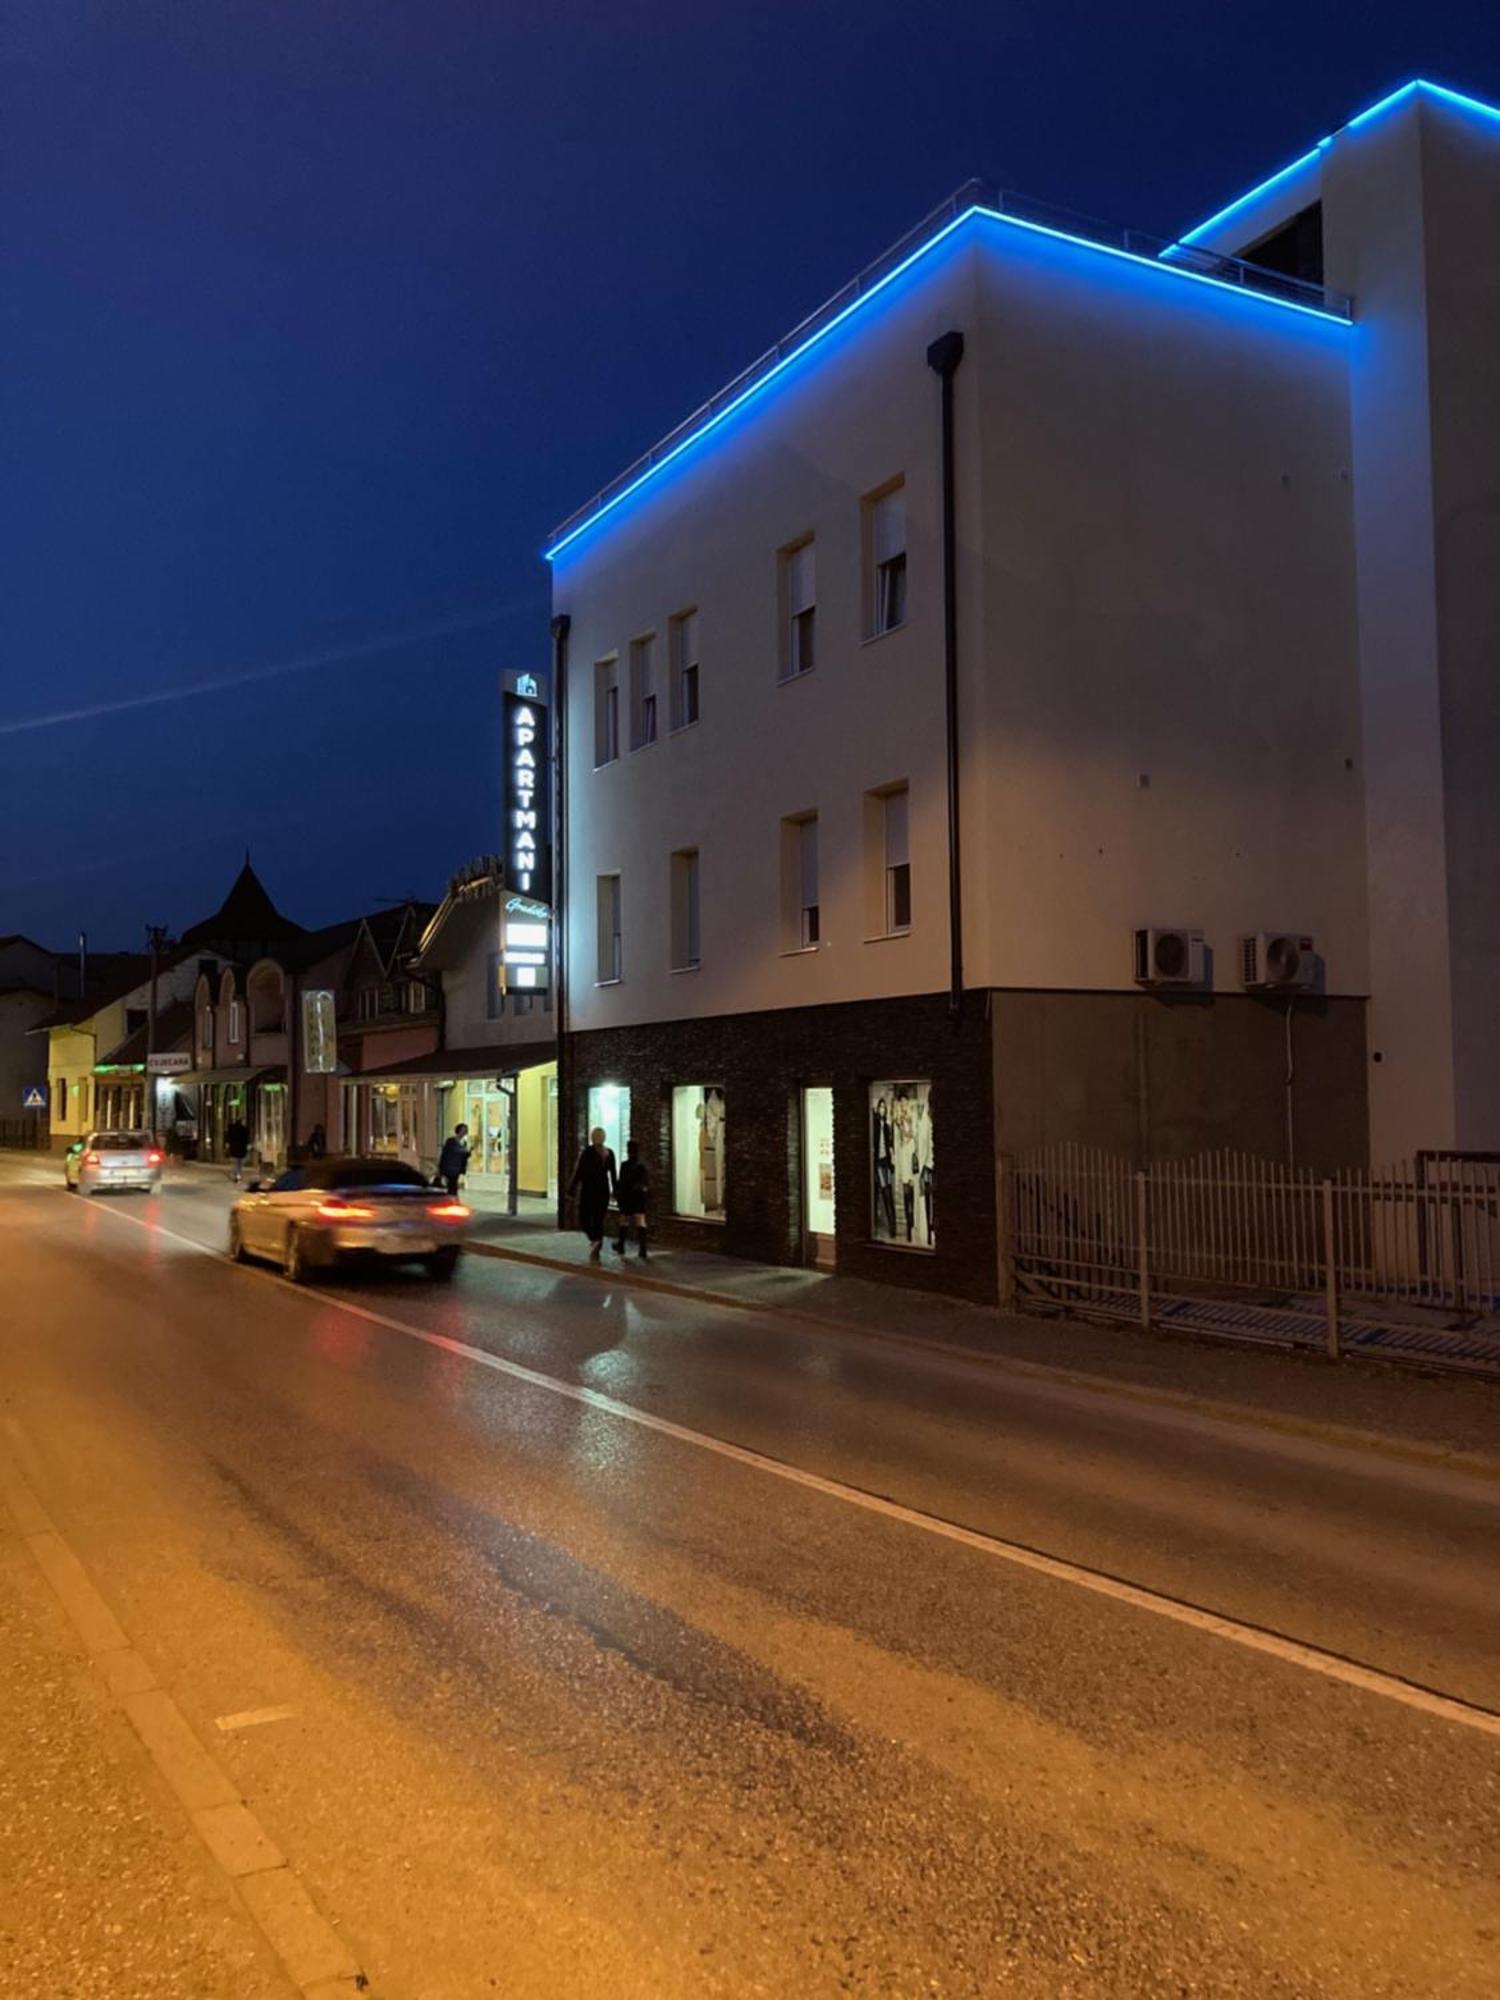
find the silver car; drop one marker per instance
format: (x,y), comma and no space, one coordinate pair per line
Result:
(112,1160)
(330,1211)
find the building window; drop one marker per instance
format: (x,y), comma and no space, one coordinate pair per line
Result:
(643,691)
(684,666)
(698,1151)
(606,711)
(206,1035)
(234,1020)
(800,926)
(611,958)
(901,1164)
(60,1101)
(799,609)
(687,943)
(887,862)
(885,560)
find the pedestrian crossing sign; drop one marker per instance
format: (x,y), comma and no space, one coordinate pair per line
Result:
(34,1097)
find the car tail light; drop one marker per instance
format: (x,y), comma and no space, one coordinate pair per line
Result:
(153,1159)
(450,1211)
(91,1159)
(344,1211)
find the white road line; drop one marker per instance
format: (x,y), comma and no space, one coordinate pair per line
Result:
(252,1718)
(1178,1611)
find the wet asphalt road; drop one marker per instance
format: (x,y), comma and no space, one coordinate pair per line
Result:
(579,1708)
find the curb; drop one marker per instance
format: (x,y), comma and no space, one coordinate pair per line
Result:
(1348,1436)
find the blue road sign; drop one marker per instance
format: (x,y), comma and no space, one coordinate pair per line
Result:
(34,1097)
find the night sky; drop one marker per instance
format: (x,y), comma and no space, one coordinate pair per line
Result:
(319,313)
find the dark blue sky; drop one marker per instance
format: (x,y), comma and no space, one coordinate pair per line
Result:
(319,313)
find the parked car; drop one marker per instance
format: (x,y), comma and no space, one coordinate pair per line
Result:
(326,1212)
(112,1160)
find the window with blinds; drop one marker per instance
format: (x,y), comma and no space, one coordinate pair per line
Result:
(684,663)
(897,862)
(801,925)
(643,691)
(885,560)
(606,711)
(799,616)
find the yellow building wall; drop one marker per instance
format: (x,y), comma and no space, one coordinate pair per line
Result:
(70,1060)
(532,1163)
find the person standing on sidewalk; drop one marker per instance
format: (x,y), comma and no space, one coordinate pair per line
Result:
(593,1183)
(632,1193)
(453,1161)
(237,1145)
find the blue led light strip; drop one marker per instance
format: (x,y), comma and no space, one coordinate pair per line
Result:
(610,501)
(1314,153)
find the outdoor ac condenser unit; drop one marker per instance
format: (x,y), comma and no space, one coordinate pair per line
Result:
(1168,957)
(1278,962)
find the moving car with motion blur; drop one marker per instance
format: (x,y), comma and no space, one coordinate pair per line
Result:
(112,1160)
(327,1212)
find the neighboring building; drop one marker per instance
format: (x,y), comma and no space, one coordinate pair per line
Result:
(493,1067)
(1225,606)
(33,982)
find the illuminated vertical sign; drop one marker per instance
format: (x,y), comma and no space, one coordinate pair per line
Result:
(528,831)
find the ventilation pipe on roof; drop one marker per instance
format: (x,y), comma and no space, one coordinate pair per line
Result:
(943,357)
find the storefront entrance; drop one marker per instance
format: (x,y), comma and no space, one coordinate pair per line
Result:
(818,1211)
(488,1109)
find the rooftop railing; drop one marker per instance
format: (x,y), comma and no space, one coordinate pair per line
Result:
(1186,259)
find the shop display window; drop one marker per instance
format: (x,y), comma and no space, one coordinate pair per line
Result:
(609,1106)
(901,1164)
(698,1158)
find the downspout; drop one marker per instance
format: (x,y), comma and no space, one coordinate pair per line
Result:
(943,357)
(561,625)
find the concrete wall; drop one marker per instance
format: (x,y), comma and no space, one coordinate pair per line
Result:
(1166,720)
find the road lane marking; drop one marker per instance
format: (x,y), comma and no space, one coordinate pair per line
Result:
(252,1718)
(1020,1555)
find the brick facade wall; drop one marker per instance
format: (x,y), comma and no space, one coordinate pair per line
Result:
(762,1061)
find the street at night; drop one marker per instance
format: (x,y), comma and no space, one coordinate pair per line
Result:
(506,1609)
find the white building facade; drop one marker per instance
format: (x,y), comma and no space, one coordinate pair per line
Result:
(867,799)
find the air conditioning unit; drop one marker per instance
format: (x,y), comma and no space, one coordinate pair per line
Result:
(1168,957)
(1278,962)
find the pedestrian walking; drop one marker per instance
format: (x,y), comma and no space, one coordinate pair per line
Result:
(633,1194)
(237,1145)
(317,1143)
(593,1182)
(453,1161)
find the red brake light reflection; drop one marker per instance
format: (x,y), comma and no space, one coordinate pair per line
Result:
(344,1211)
(153,1159)
(91,1159)
(451,1211)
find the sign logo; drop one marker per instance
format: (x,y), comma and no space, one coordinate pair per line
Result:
(528,846)
(34,1097)
(528,686)
(319,1035)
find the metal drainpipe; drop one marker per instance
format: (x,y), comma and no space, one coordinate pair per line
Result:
(560,629)
(943,357)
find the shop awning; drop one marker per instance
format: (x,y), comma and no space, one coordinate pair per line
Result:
(272,1073)
(498,1059)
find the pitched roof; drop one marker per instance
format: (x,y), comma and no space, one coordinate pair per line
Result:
(246,917)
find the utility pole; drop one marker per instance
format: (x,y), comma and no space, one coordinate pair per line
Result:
(156,943)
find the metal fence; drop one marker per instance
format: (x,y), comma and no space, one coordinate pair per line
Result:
(1087,1230)
(28,1134)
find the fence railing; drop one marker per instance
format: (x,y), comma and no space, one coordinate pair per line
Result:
(28,1134)
(1087,1229)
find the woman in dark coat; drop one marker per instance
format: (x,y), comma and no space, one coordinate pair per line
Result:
(593,1183)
